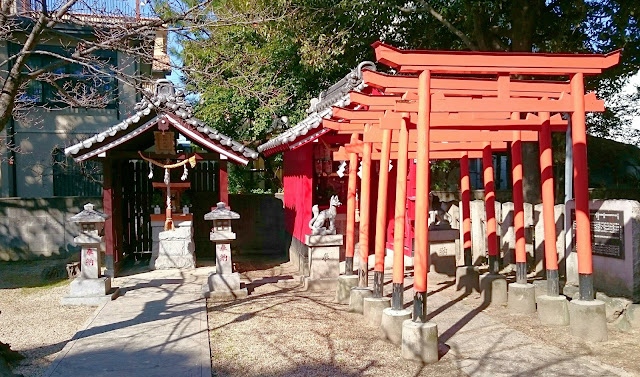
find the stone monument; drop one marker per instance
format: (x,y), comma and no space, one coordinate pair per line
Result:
(176,248)
(224,284)
(324,248)
(90,288)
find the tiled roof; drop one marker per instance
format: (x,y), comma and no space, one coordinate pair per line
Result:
(164,101)
(320,107)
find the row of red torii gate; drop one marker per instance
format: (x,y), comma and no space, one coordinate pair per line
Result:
(442,105)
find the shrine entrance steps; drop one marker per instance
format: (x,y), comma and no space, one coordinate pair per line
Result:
(158,327)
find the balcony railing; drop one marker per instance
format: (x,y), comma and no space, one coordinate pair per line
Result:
(110,9)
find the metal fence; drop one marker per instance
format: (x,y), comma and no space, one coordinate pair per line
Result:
(138,9)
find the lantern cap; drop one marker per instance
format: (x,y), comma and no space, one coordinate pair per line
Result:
(89,215)
(221,212)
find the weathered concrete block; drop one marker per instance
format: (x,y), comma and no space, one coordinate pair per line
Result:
(587,320)
(324,255)
(614,306)
(320,285)
(90,292)
(633,315)
(372,308)
(343,290)
(542,287)
(493,289)
(468,279)
(420,341)
(176,248)
(224,282)
(391,324)
(522,298)
(356,299)
(225,295)
(553,310)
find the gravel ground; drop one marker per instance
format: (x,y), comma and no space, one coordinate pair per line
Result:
(280,330)
(31,317)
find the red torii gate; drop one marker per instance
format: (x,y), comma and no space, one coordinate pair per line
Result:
(503,65)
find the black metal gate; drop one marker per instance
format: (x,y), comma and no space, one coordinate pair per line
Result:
(137,202)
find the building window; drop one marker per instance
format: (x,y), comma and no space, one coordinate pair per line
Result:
(73,84)
(71,178)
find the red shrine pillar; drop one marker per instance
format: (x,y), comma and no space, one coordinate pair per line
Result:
(581,189)
(422,200)
(490,209)
(107,207)
(548,200)
(365,211)
(223,181)
(518,208)
(351,209)
(381,215)
(465,193)
(400,218)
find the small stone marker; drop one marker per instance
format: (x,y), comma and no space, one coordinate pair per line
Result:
(224,284)
(90,288)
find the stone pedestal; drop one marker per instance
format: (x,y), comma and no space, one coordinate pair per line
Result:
(324,261)
(372,308)
(176,248)
(420,341)
(356,299)
(553,310)
(468,279)
(493,289)
(90,291)
(391,324)
(588,320)
(522,298)
(444,245)
(345,284)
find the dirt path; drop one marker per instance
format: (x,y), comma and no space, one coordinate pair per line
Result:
(280,330)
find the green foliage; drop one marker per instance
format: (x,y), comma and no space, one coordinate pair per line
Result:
(249,74)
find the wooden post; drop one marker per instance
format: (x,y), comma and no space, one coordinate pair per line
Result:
(365,210)
(381,215)
(422,199)
(465,193)
(548,200)
(518,208)
(400,218)
(223,181)
(581,189)
(351,209)
(490,209)
(107,206)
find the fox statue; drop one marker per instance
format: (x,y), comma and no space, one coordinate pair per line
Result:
(320,218)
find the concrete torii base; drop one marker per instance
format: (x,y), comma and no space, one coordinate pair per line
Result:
(372,308)
(343,290)
(522,298)
(391,324)
(493,289)
(553,310)
(588,320)
(356,300)
(420,341)
(468,279)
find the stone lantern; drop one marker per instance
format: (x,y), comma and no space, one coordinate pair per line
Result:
(90,288)
(224,284)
